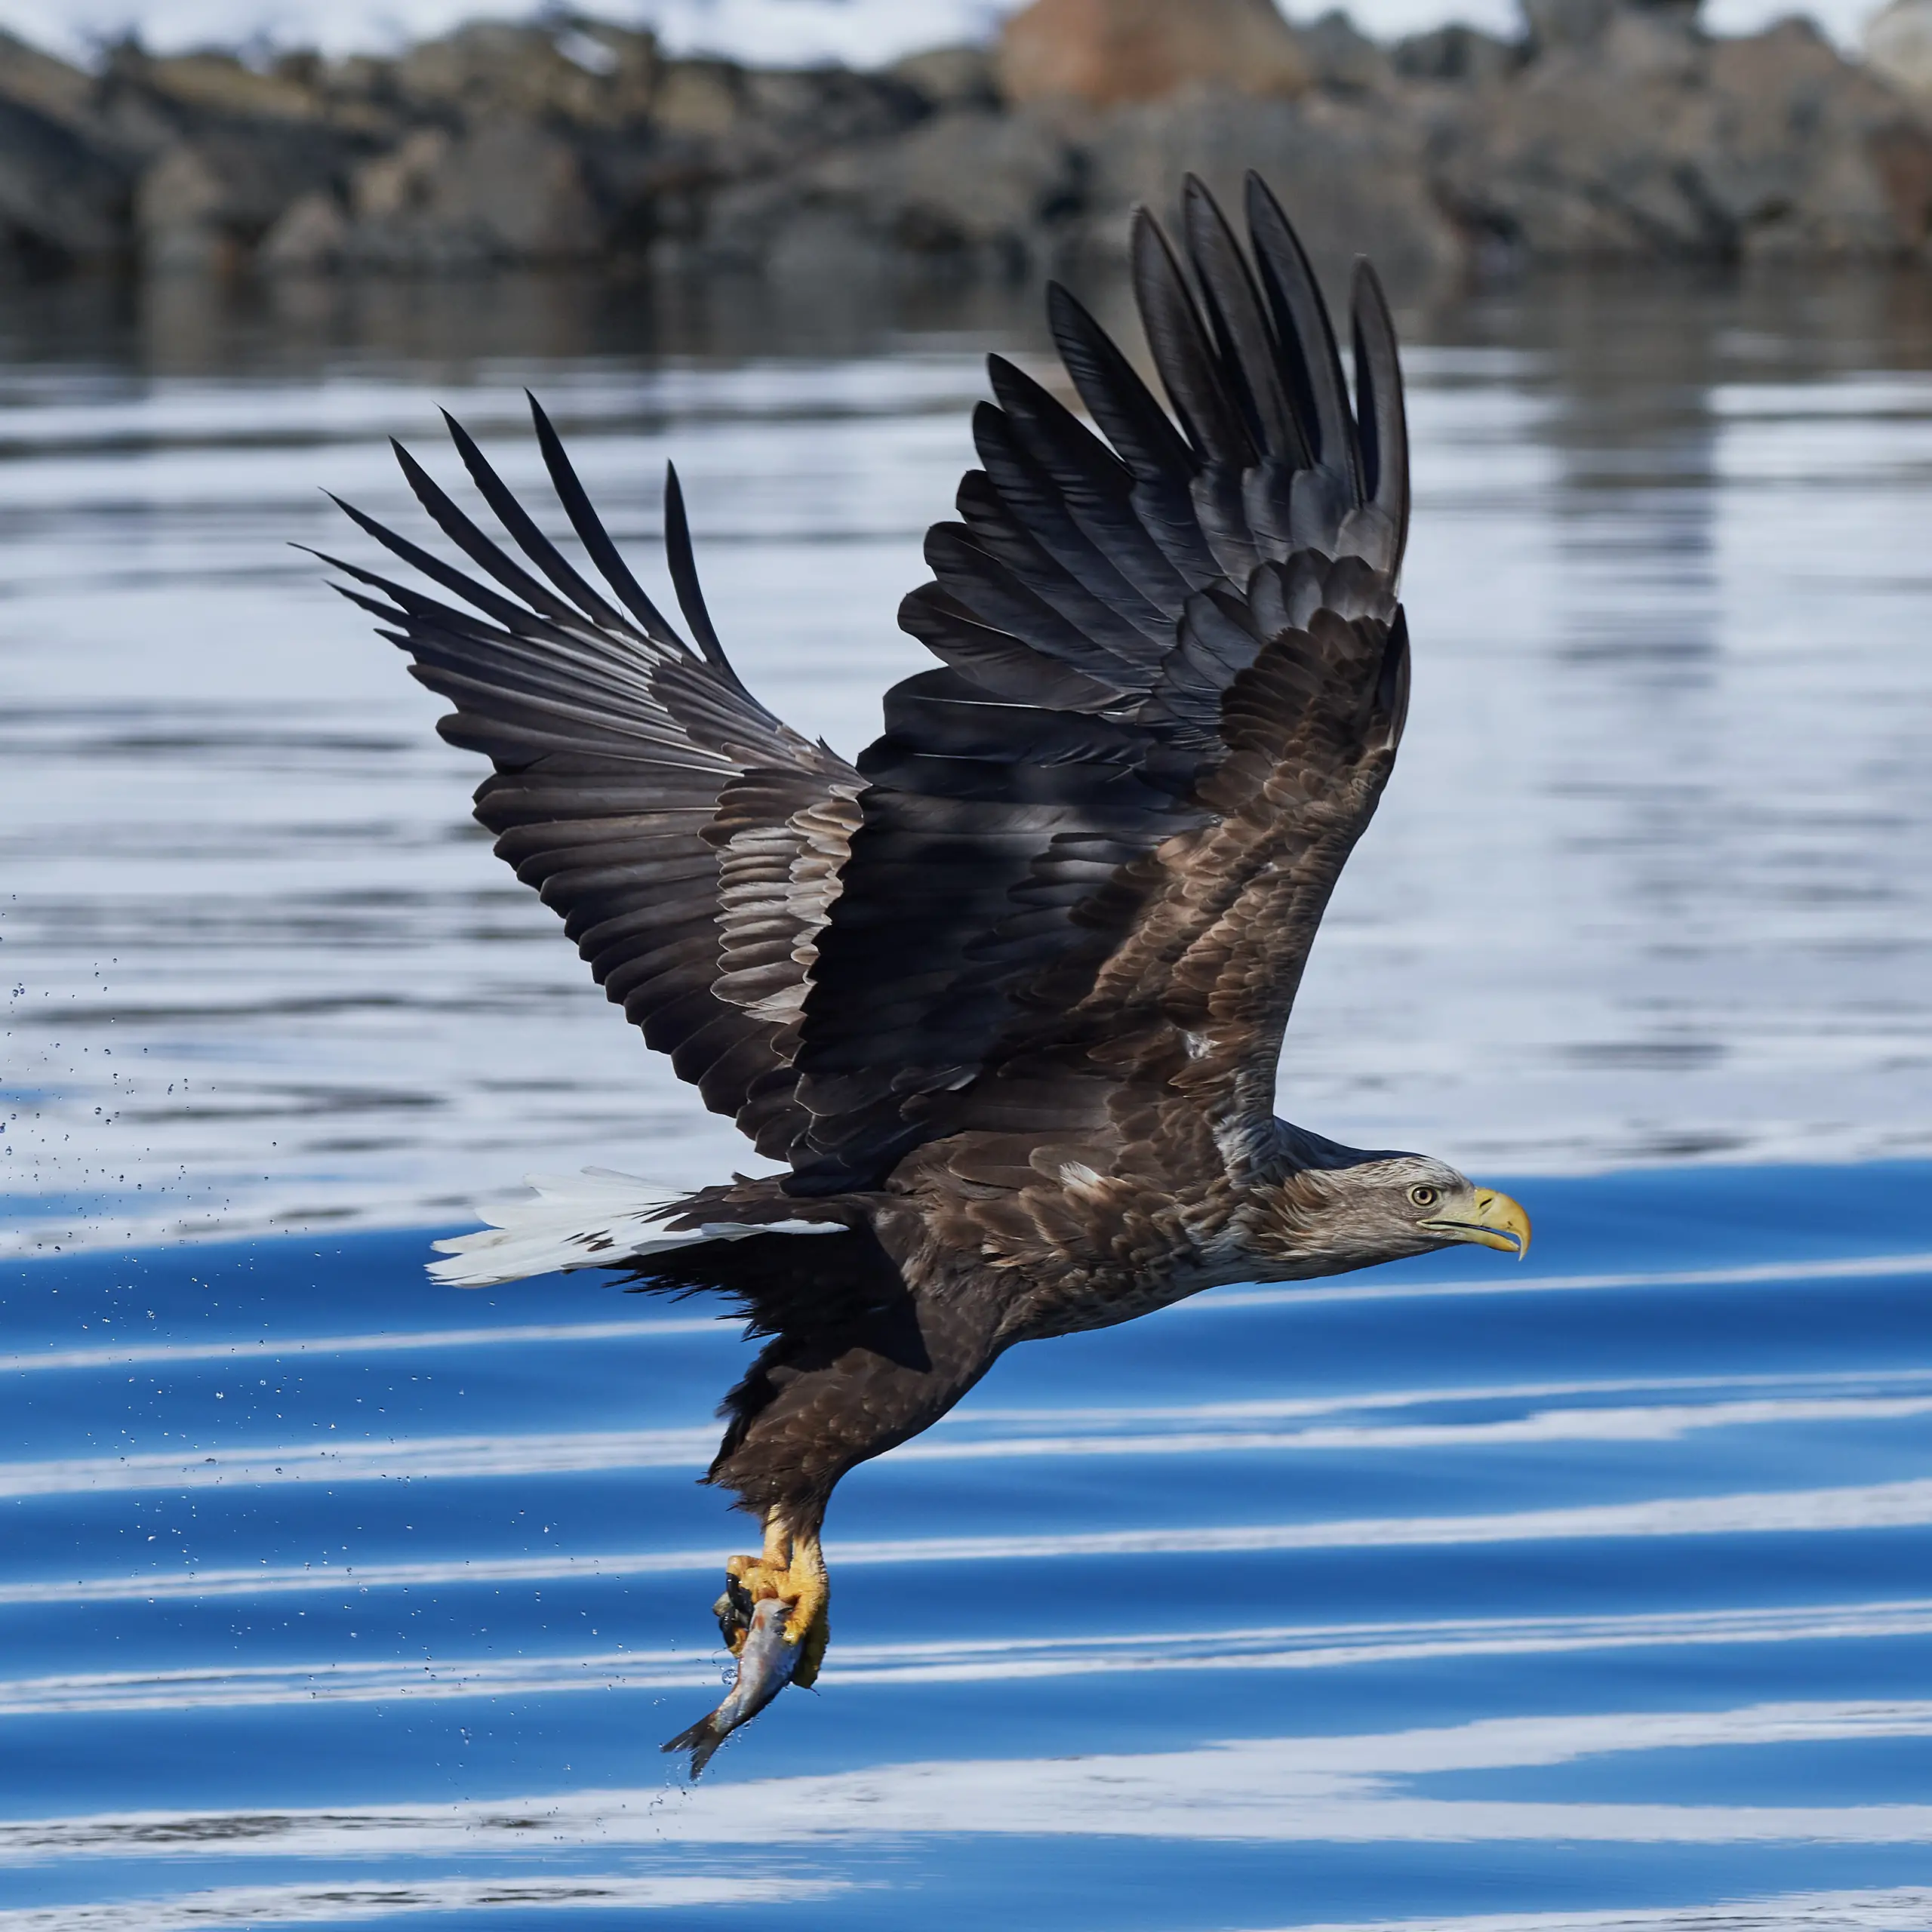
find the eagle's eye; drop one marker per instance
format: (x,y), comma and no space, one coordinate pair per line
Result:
(1425,1197)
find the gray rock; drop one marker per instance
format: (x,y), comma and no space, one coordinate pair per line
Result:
(1355,178)
(177,213)
(1898,47)
(951,76)
(703,97)
(1616,130)
(208,199)
(795,112)
(968,186)
(31,78)
(62,199)
(219,85)
(582,71)
(1813,156)
(1457,53)
(311,236)
(510,191)
(1554,24)
(1653,143)
(1342,58)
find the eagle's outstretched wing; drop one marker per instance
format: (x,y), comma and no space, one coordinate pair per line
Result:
(1096,847)
(1059,913)
(691,841)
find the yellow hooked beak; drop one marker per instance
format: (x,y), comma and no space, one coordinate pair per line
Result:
(1493,1221)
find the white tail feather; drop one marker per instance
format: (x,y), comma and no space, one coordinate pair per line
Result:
(594,1220)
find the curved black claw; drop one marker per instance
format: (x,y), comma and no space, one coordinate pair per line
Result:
(734,1612)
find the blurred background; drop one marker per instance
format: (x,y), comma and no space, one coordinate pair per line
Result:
(1602,1595)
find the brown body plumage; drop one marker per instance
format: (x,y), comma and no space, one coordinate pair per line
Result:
(1007,997)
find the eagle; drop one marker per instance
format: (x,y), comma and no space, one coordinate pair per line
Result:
(1002,1000)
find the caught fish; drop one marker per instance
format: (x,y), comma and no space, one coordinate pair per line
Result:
(765,1665)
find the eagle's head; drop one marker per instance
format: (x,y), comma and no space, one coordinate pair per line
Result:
(1323,1219)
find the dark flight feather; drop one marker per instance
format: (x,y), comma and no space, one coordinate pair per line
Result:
(522,528)
(592,534)
(690,592)
(1070,889)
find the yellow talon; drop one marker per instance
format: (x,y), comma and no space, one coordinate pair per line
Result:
(809,1591)
(793,1570)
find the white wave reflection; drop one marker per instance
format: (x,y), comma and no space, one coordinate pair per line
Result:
(265,1348)
(425,1458)
(986,1434)
(1872,1267)
(1332,1789)
(1871,1381)
(1651,1424)
(1307,1647)
(1904,1909)
(349,1903)
(1873,1506)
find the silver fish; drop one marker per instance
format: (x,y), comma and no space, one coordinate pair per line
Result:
(765,1665)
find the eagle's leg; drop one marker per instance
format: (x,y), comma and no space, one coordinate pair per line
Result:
(809,1591)
(791,1568)
(815,1405)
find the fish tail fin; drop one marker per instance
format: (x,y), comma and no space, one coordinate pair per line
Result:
(701,1740)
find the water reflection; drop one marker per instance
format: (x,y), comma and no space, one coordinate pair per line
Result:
(331,1596)
(1647,884)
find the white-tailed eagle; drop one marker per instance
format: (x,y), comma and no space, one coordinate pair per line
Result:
(1005,997)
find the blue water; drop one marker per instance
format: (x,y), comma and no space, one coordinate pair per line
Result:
(1598,1583)
(1588,1592)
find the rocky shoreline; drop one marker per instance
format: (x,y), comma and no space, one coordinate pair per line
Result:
(1611,130)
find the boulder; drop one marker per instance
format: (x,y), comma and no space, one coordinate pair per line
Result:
(524,188)
(968,187)
(1105,52)
(402,183)
(177,210)
(209,198)
(719,130)
(218,84)
(1651,142)
(311,236)
(1456,54)
(581,70)
(703,97)
(1342,58)
(1355,178)
(1813,156)
(62,198)
(509,191)
(951,76)
(1898,47)
(49,87)
(1616,129)
(787,113)
(1583,23)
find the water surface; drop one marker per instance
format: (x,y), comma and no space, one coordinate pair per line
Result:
(1597,1586)
(1588,1592)
(1649,884)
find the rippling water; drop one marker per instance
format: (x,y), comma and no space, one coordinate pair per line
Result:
(1592,1592)
(1649,882)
